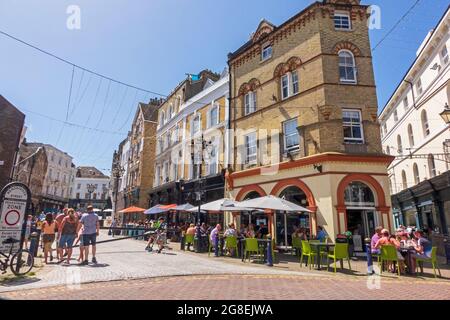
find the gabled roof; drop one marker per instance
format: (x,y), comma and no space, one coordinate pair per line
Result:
(89,172)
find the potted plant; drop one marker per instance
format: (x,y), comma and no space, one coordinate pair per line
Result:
(349,236)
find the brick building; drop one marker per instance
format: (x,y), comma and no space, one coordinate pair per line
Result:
(304,111)
(11,135)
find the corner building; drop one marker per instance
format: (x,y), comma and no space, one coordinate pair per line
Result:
(304,114)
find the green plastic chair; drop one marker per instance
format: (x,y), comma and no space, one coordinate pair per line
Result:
(389,253)
(296,245)
(307,252)
(339,252)
(433,260)
(232,243)
(323,250)
(189,239)
(251,246)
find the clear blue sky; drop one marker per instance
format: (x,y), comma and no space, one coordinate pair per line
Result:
(152,44)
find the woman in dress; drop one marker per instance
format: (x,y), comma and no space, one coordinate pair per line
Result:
(48,237)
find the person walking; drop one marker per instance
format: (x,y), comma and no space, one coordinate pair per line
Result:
(28,230)
(67,234)
(91,229)
(48,237)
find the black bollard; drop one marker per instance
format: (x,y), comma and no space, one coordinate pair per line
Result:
(182,242)
(269,252)
(370,270)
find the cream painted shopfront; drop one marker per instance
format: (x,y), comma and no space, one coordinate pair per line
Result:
(340,199)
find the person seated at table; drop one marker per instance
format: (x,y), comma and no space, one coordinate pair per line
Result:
(299,233)
(375,239)
(243,230)
(250,232)
(214,238)
(262,231)
(322,234)
(231,231)
(423,247)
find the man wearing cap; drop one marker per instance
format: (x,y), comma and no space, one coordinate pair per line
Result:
(91,229)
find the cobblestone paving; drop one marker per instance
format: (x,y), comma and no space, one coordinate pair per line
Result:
(244,287)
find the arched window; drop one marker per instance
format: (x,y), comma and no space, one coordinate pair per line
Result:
(169,116)
(347,66)
(404,181)
(162,120)
(399,145)
(431,166)
(425,125)
(410,136)
(416,174)
(359,194)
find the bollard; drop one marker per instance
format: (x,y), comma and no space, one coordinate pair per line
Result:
(182,243)
(34,243)
(370,270)
(269,252)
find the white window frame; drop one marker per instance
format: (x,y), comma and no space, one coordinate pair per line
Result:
(445,58)
(289,86)
(193,132)
(175,171)
(215,106)
(166,172)
(412,142)
(419,88)
(395,115)
(213,166)
(251,158)
(341,15)
(250,105)
(406,103)
(353,66)
(400,148)
(266,52)
(285,136)
(354,140)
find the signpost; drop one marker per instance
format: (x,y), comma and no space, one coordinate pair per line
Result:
(14,202)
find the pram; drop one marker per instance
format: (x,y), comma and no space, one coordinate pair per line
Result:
(159,237)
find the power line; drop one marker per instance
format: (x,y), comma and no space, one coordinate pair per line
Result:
(396,25)
(78,66)
(68,106)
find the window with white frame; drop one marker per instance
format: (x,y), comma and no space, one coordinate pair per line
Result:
(425,124)
(175,134)
(171,111)
(166,172)
(416,174)
(251,148)
(250,103)
(291,136)
(444,55)
(175,171)
(196,124)
(158,176)
(411,136)
(395,115)
(353,128)
(399,145)
(289,84)
(431,166)
(266,52)
(342,21)
(347,67)
(406,103)
(213,115)
(212,163)
(162,119)
(419,89)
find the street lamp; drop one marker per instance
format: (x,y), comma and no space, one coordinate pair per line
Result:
(445,115)
(90,189)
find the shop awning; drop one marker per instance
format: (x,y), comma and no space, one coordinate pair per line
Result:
(160,209)
(273,203)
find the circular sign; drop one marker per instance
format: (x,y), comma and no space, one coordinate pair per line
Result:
(12,217)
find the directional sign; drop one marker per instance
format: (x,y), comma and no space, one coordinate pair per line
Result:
(14,200)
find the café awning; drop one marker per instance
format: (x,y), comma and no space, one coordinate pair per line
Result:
(160,209)
(273,203)
(132,210)
(184,207)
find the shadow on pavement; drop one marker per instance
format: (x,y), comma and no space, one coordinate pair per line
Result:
(20,281)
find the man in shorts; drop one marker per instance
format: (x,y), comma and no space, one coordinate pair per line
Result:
(91,229)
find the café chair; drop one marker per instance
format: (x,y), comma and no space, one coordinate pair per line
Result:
(189,239)
(232,243)
(296,245)
(251,246)
(339,252)
(433,260)
(389,254)
(307,252)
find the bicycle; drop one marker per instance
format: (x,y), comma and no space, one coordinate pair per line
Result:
(21,263)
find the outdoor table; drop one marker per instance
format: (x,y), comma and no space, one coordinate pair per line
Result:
(319,245)
(408,253)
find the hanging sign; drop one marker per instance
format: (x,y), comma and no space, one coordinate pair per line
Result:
(14,200)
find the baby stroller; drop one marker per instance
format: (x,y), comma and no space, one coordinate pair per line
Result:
(159,237)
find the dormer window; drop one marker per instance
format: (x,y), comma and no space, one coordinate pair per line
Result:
(342,21)
(266,52)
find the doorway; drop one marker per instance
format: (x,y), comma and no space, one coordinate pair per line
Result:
(361,223)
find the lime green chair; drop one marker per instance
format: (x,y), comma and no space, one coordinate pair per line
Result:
(232,243)
(433,260)
(189,239)
(296,245)
(307,252)
(323,250)
(251,246)
(389,254)
(339,252)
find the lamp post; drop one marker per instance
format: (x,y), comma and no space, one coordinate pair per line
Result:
(117,173)
(90,189)
(445,115)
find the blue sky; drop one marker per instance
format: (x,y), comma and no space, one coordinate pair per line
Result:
(151,44)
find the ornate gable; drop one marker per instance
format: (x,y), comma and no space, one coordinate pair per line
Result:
(264,28)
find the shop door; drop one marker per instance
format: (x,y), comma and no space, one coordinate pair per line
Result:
(369,224)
